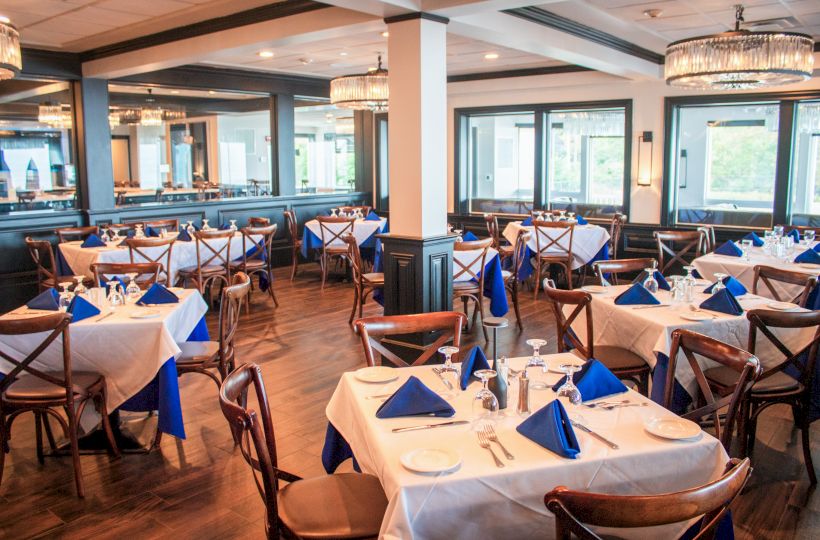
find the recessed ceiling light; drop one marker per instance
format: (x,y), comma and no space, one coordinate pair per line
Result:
(653,13)
(385,34)
(342,53)
(306,61)
(265,54)
(212,92)
(175,91)
(491,56)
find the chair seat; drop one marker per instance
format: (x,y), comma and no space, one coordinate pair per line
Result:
(209,270)
(336,250)
(348,505)
(616,358)
(29,387)
(252,264)
(506,251)
(197,352)
(465,287)
(779,382)
(374,277)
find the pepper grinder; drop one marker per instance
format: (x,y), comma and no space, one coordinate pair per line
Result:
(523,394)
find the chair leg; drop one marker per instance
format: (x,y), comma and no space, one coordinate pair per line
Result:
(102,408)
(355,305)
(480,309)
(49,435)
(271,291)
(75,450)
(801,420)
(568,272)
(537,276)
(323,263)
(514,297)
(38,431)
(3,444)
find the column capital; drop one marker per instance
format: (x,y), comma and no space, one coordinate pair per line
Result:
(416,15)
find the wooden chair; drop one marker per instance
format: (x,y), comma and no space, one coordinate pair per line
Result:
(147,272)
(575,511)
(43,256)
(161,249)
(213,258)
(170,225)
(511,281)
(620,266)
(468,278)
(334,506)
(708,238)
(775,386)
(70,234)
(260,262)
(622,362)
(259,221)
(295,241)
(668,240)
(364,283)
(553,245)
(616,227)
(504,250)
(767,274)
(333,244)
(29,389)
(372,329)
(744,368)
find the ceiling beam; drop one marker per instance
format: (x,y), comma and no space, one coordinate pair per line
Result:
(39,90)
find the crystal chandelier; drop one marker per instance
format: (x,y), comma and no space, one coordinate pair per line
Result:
(49,113)
(366,91)
(113,119)
(739,59)
(151,114)
(11,61)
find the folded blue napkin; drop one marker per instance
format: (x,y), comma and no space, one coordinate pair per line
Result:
(527,222)
(152,232)
(723,301)
(795,234)
(732,284)
(817,247)
(183,235)
(372,216)
(809,256)
(729,248)
(224,226)
(81,309)
(414,398)
(581,221)
(158,294)
(48,299)
(756,240)
(474,361)
(662,283)
(636,294)
(469,237)
(92,241)
(594,381)
(550,427)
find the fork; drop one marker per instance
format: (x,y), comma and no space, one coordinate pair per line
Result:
(489,431)
(484,443)
(604,403)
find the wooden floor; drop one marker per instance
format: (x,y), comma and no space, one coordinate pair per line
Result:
(201,487)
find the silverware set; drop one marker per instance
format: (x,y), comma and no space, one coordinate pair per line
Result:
(609,405)
(440,373)
(488,435)
(484,443)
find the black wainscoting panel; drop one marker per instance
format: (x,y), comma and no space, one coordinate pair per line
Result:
(418,274)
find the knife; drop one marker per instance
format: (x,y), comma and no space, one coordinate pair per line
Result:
(104,316)
(600,438)
(651,306)
(428,426)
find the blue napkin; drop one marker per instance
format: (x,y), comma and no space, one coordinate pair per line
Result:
(594,381)
(527,222)
(475,360)
(662,283)
(183,235)
(756,240)
(81,309)
(809,256)
(413,398)
(732,284)
(581,221)
(795,234)
(551,428)
(152,232)
(729,248)
(723,301)
(158,294)
(469,237)
(48,299)
(372,216)
(224,226)
(92,241)
(636,294)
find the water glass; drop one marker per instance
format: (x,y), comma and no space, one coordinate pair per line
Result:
(485,404)
(79,288)
(133,291)
(746,246)
(205,226)
(537,361)
(568,389)
(719,285)
(115,295)
(458,233)
(809,236)
(678,289)
(778,230)
(138,232)
(65,296)
(190,228)
(233,226)
(650,283)
(449,372)
(689,283)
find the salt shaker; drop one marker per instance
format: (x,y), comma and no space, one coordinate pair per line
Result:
(523,394)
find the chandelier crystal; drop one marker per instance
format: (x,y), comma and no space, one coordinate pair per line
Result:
(151,114)
(366,91)
(740,59)
(11,61)
(49,113)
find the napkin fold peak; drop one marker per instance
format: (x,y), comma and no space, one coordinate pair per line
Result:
(92,241)
(158,294)
(551,428)
(729,248)
(414,398)
(594,381)
(723,301)
(635,295)
(48,300)
(474,361)
(732,284)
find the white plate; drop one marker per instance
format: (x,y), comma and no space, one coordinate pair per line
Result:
(781,306)
(431,460)
(695,316)
(376,374)
(672,428)
(555,364)
(594,289)
(145,314)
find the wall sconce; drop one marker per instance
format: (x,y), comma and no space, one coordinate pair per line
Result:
(645,148)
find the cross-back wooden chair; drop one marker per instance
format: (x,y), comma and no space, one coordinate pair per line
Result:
(170,225)
(575,511)
(364,283)
(147,272)
(372,330)
(623,363)
(770,274)
(42,253)
(153,250)
(295,241)
(259,221)
(511,281)
(352,504)
(332,230)
(687,242)
(553,245)
(774,385)
(213,258)
(620,266)
(708,243)
(29,389)
(69,234)
(504,250)
(744,367)
(260,261)
(468,276)
(616,227)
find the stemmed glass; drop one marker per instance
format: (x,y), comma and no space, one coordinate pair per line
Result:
(205,226)
(448,371)
(133,291)
(537,361)
(139,233)
(719,285)
(79,288)
(233,226)
(458,232)
(570,215)
(65,296)
(485,404)
(778,230)
(115,297)
(190,228)
(650,283)
(562,214)
(568,389)
(689,283)
(333,212)
(809,237)
(746,247)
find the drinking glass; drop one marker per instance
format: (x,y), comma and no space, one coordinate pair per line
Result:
(333,212)
(190,228)
(570,215)
(485,404)
(650,283)
(65,296)
(689,283)
(809,236)
(778,230)
(448,371)
(79,288)
(768,241)
(568,389)
(537,361)
(746,246)
(138,232)
(133,291)
(719,285)
(678,289)
(233,226)
(115,295)
(562,215)
(458,232)
(205,226)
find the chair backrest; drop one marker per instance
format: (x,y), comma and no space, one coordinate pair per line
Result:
(745,364)
(334,235)
(763,320)
(520,251)
(472,268)
(259,221)
(553,239)
(170,225)
(261,250)
(120,228)
(707,238)
(68,234)
(354,255)
(147,272)
(213,248)
(685,241)
(229,310)
(161,252)
(620,266)
(292,225)
(43,256)
(582,302)
(491,221)
(768,274)
(616,226)
(575,510)
(372,329)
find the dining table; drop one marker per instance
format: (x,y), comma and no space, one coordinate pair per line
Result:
(364,231)
(469,496)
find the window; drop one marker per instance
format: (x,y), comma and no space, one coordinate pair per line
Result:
(325,150)
(805,187)
(382,172)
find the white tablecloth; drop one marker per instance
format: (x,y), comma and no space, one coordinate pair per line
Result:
(362,229)
(587,240)
(128,352)
(479,500)
(469,257)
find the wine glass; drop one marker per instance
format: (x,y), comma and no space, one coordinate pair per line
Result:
(778,230)
(568,389)
(458,233)
(115,295)
(133,291)
(537,361)
(448,371)
(746,247)
(485,404)
(65,296)
(650,283)
(190,228)
(719,285)
(79,288)
(233,226)
(809,237)
(205,226)
(139,233)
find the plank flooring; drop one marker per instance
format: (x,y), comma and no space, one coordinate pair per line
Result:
(201,487)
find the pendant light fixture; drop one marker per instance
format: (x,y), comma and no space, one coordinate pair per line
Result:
(150,114)
(49,113)
(366,91)
(11,61)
